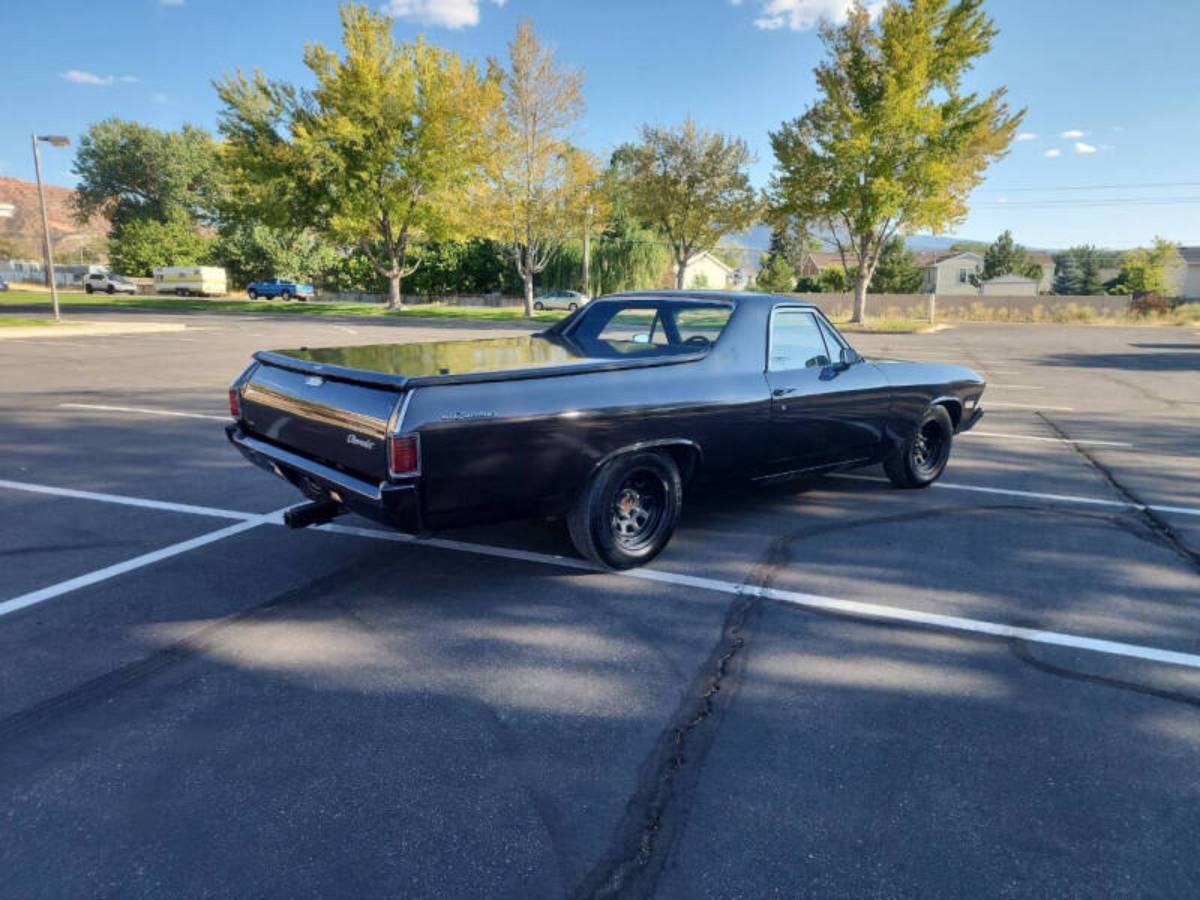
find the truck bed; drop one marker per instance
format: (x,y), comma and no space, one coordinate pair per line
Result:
(402,366)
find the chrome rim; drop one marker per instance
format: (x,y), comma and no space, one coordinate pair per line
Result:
(638,510)
(930,448)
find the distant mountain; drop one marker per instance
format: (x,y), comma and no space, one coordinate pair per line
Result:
(22,231)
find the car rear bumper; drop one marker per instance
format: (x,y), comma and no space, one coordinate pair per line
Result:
(397,505)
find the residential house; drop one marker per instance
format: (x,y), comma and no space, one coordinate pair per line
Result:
(1187,275)
(950,272)
(706,272)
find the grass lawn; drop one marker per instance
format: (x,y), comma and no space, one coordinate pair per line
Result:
(294,308)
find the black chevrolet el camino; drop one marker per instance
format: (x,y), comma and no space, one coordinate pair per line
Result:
(604,418)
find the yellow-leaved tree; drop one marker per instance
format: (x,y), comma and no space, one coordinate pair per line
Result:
(379,155)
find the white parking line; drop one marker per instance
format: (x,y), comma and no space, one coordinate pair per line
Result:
(854,608)
(994,404)
(122,500)
(143,411)
(974,432)
(129,565)
(1035,495)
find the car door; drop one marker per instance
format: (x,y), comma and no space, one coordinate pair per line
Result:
(823,411)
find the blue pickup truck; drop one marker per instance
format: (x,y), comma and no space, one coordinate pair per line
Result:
(281,288)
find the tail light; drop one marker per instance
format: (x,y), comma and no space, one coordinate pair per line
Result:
(404,455)
(235,403)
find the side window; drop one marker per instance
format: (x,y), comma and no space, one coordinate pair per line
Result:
(834,341)
(633,324)
(705,323)
(796,342)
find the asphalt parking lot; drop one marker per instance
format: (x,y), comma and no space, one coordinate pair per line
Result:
(832,688)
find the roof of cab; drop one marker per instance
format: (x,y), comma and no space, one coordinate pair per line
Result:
(734,296)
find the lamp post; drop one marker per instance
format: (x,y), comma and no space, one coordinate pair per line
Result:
(56,140)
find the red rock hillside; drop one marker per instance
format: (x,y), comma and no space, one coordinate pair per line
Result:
(24,228)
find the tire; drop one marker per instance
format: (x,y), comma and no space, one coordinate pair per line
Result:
(285,296)
(88,289)
(571,307)
(539,305)
(922,458)
(628,511)
(110,290)
(252,294)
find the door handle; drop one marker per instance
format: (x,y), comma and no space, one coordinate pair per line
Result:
(783,392)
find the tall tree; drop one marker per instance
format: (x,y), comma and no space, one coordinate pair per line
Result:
(897,271)
(1005,257)
(538,181)
(1077,271)
(1149,270)
(380,151)
(129,171)
(692,185)
(894,143)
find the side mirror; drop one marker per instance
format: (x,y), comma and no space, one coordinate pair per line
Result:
(849,357)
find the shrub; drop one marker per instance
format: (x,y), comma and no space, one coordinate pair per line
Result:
(1150,304)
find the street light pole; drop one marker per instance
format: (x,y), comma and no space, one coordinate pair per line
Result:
(57,141)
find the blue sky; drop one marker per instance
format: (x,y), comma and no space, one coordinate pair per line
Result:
(1113,89)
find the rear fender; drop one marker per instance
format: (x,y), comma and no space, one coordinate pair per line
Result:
(687,454)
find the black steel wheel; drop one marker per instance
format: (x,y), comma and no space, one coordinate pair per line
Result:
(628,511)
(921,459)
(88,288)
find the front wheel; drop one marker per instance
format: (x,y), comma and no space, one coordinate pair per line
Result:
(571,307)
(285,296)
(628,511)
(252,294)
(88,288)
(539,305)
(921,459)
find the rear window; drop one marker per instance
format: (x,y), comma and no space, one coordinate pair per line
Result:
(622,328)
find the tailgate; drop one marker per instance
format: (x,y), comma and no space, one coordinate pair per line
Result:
(340,424)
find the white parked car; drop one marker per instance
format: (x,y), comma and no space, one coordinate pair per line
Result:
(569,300)
(108,283)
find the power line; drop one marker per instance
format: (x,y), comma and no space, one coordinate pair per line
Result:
(1097,187)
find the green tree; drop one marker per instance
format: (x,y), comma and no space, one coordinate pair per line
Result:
(893,144)
(540,185)
(1005,257)
(1077,271)
(897,271)
(249,252)
(776,275)
(140,246)
(791,240)
(692,185)
(381,151)
(129,171)
(1149,270)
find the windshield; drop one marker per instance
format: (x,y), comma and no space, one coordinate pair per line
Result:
(649,327)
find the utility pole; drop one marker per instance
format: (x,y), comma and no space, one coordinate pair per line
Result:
(58,141)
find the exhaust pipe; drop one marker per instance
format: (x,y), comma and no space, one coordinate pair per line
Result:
(318,512)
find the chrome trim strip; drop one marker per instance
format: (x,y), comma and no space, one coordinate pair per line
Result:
(308,467)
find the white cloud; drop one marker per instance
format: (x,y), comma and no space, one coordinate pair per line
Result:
(801,15)
(1081,147)
(79,76)
(170,2)
(160,97)
(1053,153)
(447,13)
(1026,136)
(1073,133)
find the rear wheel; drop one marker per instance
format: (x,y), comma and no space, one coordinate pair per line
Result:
(285,296)
(628,511)
(252,293)
(88,288)
(571,307)
(110,290)
(922,458)
(538,305)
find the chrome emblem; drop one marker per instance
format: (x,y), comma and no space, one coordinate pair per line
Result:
(356,441)
(314,381)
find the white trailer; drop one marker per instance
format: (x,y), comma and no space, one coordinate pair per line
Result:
(189,281)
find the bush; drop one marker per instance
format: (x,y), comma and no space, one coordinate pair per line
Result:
(137,248)
(1150,304)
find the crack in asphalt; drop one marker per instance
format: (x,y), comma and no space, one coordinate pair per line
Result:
(1157,525)
(658,810)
